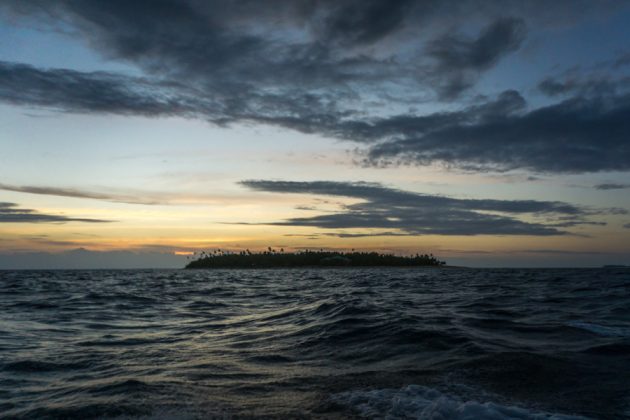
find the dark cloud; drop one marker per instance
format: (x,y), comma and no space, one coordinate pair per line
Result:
(575,135)
(553,87)
(611,186)
(366,234)
(409,213)
(11,213)
(407,126)
(97,92)
(622,60)
(317,67)
(365,21)
(585,86)
(231,51)
(101,92)
(460,59)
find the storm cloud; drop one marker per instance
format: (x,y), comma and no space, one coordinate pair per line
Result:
(405,213)
(12,213)
(348,70)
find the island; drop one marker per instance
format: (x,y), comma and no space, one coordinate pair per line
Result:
(279,259)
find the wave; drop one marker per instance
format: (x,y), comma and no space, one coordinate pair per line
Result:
(603,330)
(614,349)
(421,402)
(41,366)
(279,343)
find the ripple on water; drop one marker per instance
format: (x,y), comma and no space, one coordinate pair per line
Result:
(315,343)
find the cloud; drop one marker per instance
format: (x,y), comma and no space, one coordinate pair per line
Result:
(97,92)
(575,135)
(585,86)
(622,60)
(459,60)
(409,125)
(244,57)
(319,67)
(611,186)
(558,251)
(106,93)
(365,235)
(79,193)
(11,213)
(131,196)
(364,21)
(407,213)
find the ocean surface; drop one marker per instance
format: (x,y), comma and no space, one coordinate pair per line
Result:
(316,343)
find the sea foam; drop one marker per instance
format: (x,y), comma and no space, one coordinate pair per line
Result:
(420,402)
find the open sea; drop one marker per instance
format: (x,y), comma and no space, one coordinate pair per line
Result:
(386,343)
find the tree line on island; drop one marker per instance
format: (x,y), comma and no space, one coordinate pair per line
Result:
(278,258)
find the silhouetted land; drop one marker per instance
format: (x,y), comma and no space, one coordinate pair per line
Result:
(275,259)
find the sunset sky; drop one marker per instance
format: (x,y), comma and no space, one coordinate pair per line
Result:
(490,133)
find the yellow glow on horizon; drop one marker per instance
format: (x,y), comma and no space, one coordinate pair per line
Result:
(185,229)
(183,253)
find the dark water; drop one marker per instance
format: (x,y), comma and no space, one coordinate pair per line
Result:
(377,343)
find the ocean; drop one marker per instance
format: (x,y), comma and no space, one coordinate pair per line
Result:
(418,343)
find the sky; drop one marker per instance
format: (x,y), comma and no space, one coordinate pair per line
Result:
(489,133)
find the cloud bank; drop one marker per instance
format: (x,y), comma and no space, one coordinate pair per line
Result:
(573,136)
(349,70)
(404,213)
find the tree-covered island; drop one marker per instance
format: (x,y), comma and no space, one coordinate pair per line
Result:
(280,259)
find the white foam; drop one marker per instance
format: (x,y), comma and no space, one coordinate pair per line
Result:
(607,331)
(420,402)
